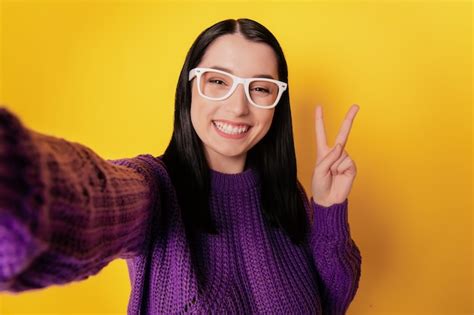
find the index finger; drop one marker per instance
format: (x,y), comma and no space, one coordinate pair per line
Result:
(346,126)
(321,143)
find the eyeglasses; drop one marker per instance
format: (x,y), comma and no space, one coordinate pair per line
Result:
(217,85)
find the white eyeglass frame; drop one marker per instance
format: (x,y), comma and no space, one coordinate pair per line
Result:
(197,72)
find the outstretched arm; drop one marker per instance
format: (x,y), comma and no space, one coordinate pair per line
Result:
(336,256)
(65,212)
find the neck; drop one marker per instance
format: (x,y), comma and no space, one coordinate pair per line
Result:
(226,164)
(232,183)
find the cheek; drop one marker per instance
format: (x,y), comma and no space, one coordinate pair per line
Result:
(198,118)
(264,124)
(194,118)
(266,121)
(195,109)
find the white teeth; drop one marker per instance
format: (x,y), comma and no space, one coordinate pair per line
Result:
(229,129)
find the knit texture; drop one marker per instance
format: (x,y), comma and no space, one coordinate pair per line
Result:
(65,213)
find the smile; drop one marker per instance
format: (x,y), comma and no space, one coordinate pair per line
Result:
(230,131)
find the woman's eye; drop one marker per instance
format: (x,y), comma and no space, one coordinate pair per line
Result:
(218,82)
(262,90)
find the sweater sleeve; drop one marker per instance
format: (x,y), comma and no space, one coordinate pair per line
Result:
(335,254)
(65,212)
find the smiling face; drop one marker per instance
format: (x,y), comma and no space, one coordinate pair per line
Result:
(229,128)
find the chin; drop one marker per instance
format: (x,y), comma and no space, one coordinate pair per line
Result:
(231,152)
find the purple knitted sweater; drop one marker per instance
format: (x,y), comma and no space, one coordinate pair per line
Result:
(65,213)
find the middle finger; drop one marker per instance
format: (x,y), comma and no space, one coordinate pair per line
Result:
(346,126)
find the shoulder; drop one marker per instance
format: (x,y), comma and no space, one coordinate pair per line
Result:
(155,173)
(151,167)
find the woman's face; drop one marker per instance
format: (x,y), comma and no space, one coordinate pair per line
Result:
(241,57)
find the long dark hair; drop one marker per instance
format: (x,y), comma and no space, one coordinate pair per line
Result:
(273,157)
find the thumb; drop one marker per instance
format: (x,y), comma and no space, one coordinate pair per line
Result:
(330,158)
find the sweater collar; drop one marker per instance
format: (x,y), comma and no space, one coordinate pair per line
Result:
(242,181)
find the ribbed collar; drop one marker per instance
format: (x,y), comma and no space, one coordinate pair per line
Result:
(223,182)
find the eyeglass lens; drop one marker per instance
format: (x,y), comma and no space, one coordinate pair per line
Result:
(216,85)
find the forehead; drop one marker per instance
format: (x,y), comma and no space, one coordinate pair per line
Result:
(244,57)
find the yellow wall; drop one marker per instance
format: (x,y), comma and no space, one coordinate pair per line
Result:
(103,73)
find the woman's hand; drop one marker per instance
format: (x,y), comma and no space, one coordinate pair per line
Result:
(335,171)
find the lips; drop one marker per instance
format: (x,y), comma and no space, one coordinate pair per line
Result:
(231,131)
(231,127)
(232,124)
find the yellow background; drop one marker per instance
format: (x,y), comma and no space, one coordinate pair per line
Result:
(103,73)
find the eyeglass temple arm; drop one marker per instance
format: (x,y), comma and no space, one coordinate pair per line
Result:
(192,74)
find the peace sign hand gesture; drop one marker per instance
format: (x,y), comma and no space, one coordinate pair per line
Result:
(334,172)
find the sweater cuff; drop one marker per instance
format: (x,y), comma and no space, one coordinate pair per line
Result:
(332,221)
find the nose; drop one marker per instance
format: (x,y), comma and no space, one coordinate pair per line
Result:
(238,103)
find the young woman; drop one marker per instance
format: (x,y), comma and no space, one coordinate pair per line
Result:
(217,224)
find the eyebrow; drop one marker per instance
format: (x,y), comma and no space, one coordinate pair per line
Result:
(255,76)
